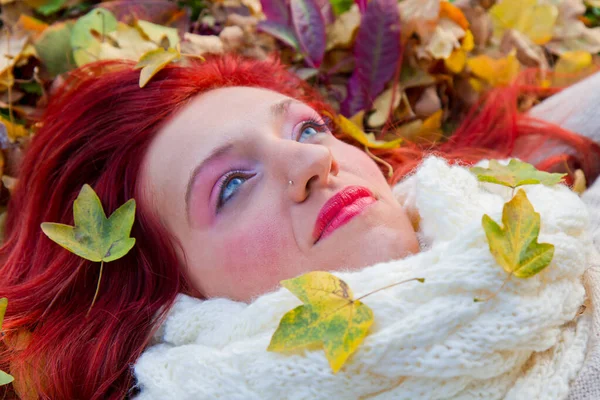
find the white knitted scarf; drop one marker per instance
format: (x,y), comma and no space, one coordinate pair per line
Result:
(429,340)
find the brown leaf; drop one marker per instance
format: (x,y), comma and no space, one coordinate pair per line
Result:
(528,53)
(343,30)
(232,37)
(200,44)
(428,103)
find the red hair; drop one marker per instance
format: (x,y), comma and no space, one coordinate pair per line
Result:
(96,130)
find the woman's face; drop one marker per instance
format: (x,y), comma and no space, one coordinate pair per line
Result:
(242,177)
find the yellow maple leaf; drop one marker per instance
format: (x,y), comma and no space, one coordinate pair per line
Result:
(329,316)
(515,245)
(526,16)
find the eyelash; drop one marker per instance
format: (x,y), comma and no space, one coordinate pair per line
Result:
(313,121)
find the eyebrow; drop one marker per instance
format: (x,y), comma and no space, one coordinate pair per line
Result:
(278,110)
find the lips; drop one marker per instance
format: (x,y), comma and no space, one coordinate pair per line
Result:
(340,209)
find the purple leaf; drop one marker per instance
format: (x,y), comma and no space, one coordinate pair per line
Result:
(376,54)
(309,26)
(162,12)
(277,11)
(362,5)
(281,32)
(326,10)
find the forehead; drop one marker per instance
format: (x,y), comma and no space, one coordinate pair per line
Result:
(207,121)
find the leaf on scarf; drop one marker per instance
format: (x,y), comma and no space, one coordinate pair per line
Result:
(516,173)
(329,316)
(376,54)
(95,237)
(309,26)
(153,61)
(4,377)
(515,245)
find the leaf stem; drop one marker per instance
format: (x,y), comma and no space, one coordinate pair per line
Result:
(389,286)
(478,300)
(97,288)
(382,161)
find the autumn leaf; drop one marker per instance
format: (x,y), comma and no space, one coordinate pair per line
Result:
(98,21)
(366,139)
(153,61)
(535,20)
(329,316)
(516,173)
(95,237)
(495,72)
(515,245)
(4,377)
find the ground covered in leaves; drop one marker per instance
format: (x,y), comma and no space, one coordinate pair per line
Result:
(408,68)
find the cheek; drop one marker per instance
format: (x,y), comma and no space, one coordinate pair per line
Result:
(255,249)
(358,162)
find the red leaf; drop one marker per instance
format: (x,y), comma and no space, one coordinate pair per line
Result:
(376,54)
(309,25)
(277,11)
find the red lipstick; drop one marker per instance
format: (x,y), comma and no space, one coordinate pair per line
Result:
(340,209)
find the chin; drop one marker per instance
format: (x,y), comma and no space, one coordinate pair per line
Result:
(359,246)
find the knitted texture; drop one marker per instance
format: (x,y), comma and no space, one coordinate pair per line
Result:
(428,341)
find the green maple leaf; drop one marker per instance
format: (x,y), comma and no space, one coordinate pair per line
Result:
(4,377)
(95,237)
(515,246)
(516,173)
(329,316)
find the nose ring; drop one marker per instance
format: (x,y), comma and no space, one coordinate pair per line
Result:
(290,182)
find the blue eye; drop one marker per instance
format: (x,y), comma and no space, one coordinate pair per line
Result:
(228,187)
(311,127)
(307,131)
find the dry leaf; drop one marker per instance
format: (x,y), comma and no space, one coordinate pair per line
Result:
(12,45)
(571,67)
(495,72)
(153,61)
(419,16)
(453,13)
(528,53)
(201,44)
(381,105)
(343,30)
(458,59)
(445,39)
(526,16)
(232,37)
(428,103)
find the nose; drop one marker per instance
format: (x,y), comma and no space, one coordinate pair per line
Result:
(309,166)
